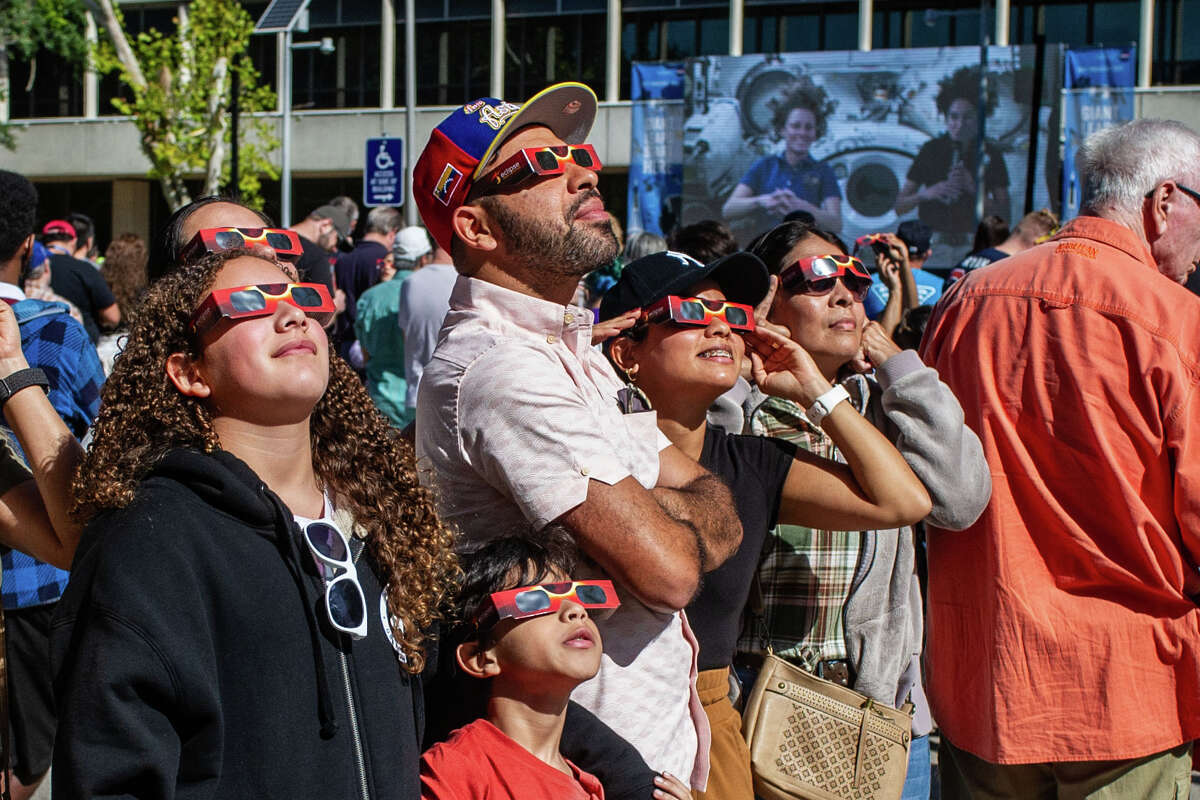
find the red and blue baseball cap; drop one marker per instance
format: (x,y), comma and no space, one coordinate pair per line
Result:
(461,147)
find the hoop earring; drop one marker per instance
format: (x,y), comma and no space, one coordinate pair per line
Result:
(631,399)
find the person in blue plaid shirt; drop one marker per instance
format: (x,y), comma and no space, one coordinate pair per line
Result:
(57,344)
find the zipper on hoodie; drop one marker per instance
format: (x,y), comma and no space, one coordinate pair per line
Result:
(359,757)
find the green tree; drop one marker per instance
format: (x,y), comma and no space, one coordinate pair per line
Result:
(178,89)
(27,26)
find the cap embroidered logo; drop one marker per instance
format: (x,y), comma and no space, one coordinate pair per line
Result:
(495,116)
(443,190)
(572,107)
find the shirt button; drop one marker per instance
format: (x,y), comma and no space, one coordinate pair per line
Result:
(551,339)
(569,318)
(583,471)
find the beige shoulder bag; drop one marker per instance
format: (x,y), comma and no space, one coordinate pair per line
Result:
(811,739)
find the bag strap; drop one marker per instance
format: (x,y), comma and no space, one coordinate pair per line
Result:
(758,614)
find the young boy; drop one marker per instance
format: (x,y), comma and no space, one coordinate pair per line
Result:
(535,641)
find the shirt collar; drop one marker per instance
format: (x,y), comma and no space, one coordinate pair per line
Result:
(9,291)
(522,313)
(1113,234)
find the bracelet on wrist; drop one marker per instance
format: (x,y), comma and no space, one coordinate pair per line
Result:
(824,404)
(22,379)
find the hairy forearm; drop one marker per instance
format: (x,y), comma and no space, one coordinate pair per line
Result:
(706,506)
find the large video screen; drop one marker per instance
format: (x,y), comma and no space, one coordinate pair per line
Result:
(865,140)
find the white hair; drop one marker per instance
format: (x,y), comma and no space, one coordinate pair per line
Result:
(1119,165)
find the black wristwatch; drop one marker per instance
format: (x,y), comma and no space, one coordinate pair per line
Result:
(22,379)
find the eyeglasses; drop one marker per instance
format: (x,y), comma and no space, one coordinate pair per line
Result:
(700,311)
(344,600)
(285,243)
(817,275)
(244,302)
(597,596)
(531,161)
(870,239)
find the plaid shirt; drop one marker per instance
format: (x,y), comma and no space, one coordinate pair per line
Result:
(805,573)
(54,342)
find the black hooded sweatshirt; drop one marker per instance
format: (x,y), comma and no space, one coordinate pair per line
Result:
(193,657)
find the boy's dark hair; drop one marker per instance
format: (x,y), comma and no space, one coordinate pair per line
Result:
(704,241)
(18,211)
(509,562)
(774,245)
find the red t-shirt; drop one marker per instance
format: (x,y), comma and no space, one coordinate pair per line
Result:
(480,762)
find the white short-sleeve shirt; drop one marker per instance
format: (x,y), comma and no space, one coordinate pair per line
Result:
(516,412)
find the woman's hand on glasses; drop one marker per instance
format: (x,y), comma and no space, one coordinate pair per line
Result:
(603,331)
(782,368)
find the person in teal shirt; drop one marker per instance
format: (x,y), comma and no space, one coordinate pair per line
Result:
(378,329)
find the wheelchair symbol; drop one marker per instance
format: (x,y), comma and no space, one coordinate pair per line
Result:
(383,159)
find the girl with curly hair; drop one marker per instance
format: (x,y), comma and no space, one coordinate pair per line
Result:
(246,611)
(777,185)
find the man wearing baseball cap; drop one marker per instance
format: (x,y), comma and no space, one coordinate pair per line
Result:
(517,417)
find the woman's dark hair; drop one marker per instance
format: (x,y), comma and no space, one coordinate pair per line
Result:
(992,231)
(811,98)
(164,252)
(774,245)
(506,563)
(358,457)
(963,84)
(912,327)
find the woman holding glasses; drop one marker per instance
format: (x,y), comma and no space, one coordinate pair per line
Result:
(697,326)
(844,599)
(246,608)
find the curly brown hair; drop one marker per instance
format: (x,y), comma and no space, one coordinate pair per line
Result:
(357,456)
(125,271)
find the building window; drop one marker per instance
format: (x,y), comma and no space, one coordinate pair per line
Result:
(545,50)
(453,61)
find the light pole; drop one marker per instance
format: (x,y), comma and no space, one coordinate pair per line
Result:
(285,145)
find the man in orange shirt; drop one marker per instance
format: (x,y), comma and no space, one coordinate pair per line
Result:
(1064,631)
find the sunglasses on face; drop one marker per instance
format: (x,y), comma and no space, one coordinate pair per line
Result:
(597,596)
(285,243)
(244,302)
(531,161)
(345,602)
(699,311)
(817,275)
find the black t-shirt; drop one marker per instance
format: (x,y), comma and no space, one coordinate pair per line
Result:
(316,264)
(932,165)
(755,469)
(82,284)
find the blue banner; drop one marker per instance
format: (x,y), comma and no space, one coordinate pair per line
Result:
(1097,93)
(656,149)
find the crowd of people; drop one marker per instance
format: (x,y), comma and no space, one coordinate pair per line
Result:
(508,507)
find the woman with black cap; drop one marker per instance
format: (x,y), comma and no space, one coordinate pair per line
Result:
(696,327)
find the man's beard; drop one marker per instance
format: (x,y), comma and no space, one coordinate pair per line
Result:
(538,244)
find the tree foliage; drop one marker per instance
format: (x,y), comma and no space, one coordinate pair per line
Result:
(27,26)
(177,90)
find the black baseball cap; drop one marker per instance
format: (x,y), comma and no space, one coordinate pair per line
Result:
(741,276)
(916,234)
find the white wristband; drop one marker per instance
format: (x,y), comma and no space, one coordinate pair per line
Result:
(825,403)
